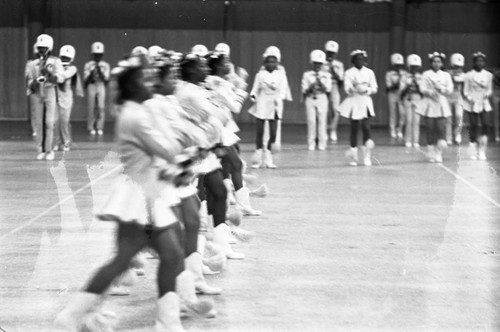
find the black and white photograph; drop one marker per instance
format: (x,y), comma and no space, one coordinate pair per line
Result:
(249,165)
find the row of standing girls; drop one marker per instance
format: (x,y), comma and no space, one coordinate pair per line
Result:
(169,132)
(440,98)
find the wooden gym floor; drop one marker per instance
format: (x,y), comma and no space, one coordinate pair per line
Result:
(402,246)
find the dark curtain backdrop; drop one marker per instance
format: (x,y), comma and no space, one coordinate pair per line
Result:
(296,27)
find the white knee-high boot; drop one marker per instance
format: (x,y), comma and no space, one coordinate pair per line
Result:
(481,151)
(73,315)
(213,263)
(367,152)
(194,264)
(431,153)
(256,159)
(268,159)
(243,200)
(352,156)
(441,146)
(185,288)
(168,318)
(221,238)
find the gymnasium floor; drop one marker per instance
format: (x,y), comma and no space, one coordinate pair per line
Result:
(402,246)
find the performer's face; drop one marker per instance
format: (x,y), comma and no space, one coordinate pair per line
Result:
(436,63)
(270,63)
(479,63)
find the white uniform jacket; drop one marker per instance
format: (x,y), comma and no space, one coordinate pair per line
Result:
(88,70)
(316,83)
(478,88)
(65,90)
(34,70)
(359,85)
(436,87)
(269,90)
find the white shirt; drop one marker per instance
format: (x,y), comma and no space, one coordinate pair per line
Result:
(477,89)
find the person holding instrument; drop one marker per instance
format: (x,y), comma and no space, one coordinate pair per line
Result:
(96,76)
(42,79)
(316,84)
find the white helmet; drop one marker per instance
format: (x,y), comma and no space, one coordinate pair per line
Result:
(223,48)
(45,41)
(155,51)
(457,59)
(67,51)
(397,59)
(199,50)
(332,46)
(139,50)
(272,51)
(414,60)
(97,48)
(317,56)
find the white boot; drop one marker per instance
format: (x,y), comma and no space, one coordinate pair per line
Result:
(352,155)
(257,159)
(441,145)
(431,153)
(262,191)
(71,316)
(242,234)
(203,213)
(367,152)
(221,238)
(194,265)
(472,151)
(184,286)
(215,261)
(168,318)
(481,151)
(230,191)
(243,199)
(268,159)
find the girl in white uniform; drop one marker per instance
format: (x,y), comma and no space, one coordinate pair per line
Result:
(141,204)
(437,85)
(477,91)
(359,84)
(268,92)
(454,123)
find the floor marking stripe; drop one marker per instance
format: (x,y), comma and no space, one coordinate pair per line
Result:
(56,205)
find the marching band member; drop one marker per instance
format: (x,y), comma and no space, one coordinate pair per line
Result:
(46,72)
(392,82)
(411,96)
(96,76)
(269,89)
(336,69)
(478,88)
(359,84)
(225,94)
(455,122)
(437,85)
(238,76)
(65,89)
(173,120)
(141,204)
(195,100)
(316,85)
(32,96)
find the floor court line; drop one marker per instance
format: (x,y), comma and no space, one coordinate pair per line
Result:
(473,187)
(56,205)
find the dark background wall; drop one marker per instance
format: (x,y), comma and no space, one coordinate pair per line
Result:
(248,26)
